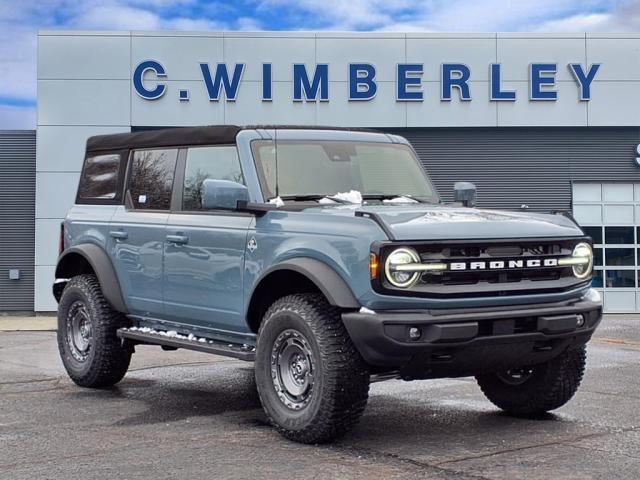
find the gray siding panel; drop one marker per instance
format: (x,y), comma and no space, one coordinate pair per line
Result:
(533,166)
(17,218)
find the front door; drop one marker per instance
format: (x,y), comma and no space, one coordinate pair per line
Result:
(137,230)
(204,250)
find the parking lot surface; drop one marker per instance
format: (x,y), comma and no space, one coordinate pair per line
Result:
(191,415)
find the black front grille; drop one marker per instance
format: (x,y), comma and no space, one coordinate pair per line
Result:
(490,267)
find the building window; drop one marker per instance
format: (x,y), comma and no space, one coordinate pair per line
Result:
(610,213)
(151,183)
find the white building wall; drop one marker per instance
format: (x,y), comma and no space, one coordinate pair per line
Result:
(84,89)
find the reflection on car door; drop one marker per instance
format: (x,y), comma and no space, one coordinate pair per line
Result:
(204,251)
(137,231)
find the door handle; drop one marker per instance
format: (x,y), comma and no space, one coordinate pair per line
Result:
(119,234)
(178,239)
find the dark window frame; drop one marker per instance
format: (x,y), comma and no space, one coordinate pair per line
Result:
(120,180)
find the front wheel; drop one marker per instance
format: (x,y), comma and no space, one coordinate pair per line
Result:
(312,382)
(533,390)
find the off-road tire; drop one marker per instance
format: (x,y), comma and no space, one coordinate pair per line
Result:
(341,377)
(551,385)
(108,358)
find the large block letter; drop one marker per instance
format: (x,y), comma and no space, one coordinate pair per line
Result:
(362,75)
(138,77)
(221,81)
(304,89)
(455,75)
(409,82)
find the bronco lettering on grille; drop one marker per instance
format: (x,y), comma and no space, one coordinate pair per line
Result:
(504,264)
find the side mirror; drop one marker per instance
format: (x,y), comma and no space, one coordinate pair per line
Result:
(223,194)
(465,193)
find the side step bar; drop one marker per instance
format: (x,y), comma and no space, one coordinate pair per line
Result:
(240,352)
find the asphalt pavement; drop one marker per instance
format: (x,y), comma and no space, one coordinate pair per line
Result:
(191,415)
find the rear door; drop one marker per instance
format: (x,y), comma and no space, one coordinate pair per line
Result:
(204,250)
(137,230)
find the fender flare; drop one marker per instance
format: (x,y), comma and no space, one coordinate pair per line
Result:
(103,268)
(332,285)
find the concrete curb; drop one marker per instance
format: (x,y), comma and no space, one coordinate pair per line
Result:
(18,323)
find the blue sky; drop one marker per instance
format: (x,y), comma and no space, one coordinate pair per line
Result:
(20,20)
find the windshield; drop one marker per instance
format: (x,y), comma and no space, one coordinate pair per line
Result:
(308,168)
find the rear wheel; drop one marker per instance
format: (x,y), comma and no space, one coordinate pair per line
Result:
(536,389)
(90,350)
(313,383)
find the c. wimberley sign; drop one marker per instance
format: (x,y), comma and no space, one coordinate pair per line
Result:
(311,84)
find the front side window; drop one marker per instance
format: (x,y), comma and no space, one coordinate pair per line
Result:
(99,179)
(319,167)
(218,163)
(151,181)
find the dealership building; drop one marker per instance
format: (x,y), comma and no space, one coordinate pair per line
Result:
(545,122)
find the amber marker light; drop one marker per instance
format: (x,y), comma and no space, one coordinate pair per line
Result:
(373,265)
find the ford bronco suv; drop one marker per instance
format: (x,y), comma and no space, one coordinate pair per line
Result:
(326,257)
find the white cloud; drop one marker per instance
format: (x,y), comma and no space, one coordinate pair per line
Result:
(17,118)
(343,14)
(116,17)
(248,24)
(624,19)
(197,25)
(17,62)
(593,22)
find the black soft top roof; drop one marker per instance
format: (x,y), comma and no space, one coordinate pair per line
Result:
(178,136)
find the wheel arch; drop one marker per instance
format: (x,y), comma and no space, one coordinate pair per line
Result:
(294,276)
(89,258)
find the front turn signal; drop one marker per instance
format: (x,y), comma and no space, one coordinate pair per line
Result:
(373,266)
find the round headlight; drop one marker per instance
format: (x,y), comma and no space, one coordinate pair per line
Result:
(582,252)
(399,278)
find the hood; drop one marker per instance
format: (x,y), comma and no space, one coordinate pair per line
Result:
(442,222)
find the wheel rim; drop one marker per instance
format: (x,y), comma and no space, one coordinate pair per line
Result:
(517,376)
(292,369)
(79,331)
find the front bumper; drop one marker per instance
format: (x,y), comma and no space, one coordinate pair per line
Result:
(455,343)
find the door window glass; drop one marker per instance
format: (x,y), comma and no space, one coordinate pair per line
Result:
(151,182)
(217,163)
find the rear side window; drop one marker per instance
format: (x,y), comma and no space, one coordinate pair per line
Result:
(218,163)
(99,179)
(151,180)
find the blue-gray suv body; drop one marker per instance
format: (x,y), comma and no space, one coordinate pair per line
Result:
(324,255)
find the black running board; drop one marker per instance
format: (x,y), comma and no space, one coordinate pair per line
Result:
(240,352)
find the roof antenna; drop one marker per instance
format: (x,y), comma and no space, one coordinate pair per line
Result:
(275,133)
